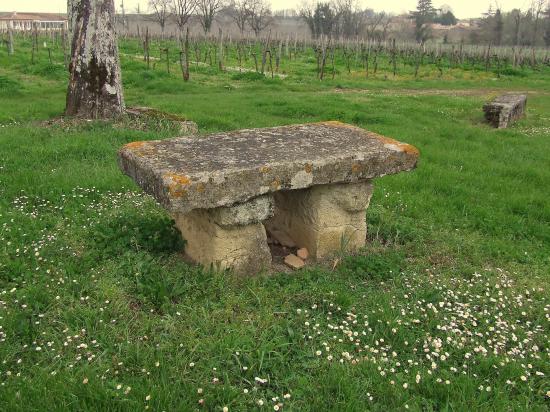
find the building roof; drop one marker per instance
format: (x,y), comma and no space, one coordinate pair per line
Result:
(33,16)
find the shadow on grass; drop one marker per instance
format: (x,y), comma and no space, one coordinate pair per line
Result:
(132,231)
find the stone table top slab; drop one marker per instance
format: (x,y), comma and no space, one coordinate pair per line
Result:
(505,109)
(222,169)
(510,99)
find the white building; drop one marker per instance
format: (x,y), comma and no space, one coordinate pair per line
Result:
(28,21)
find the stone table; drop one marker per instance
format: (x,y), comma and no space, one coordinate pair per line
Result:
(503,110)
(312,182)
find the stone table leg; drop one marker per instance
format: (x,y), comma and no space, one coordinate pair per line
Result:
(229,237)
(325,219)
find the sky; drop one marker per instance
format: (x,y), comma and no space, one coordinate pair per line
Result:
(462,8)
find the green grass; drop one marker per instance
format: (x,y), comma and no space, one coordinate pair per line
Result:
(451,288)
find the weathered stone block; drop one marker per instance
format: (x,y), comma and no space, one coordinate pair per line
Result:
(228,237)
(148,114)
(294,261)
(254,211)
(505,109)
(302,253)
(324,219)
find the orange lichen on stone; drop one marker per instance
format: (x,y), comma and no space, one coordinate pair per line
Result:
(410,149)
(265,169)
(139,148)
(177,193)
(179,179)
(276,184)
(175,188)
(308,168)
(134,145)
(405,147)
(356,168)
(336,123)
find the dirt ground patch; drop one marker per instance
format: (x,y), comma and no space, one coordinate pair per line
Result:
(436,92)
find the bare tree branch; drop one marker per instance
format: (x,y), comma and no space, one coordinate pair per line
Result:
(207,10)
(161,11)
(260,16)
(239,11)
(182,11)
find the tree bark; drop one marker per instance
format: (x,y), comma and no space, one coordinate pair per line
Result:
(72,11)
(95,85)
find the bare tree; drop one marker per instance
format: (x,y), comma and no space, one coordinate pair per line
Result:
(182,11)
(259,16)
(547,28)
(124,20)
(161,11)
(321,18)
(498,27)
(386,21)
(239,11)
(95,85)
(376,25)
(307,13)
(537,7)
(423,17)
(351,18)
(517,24)
(207,10)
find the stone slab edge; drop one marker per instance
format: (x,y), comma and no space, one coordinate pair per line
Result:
(181,193)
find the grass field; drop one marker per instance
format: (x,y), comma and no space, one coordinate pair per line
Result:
(447,308)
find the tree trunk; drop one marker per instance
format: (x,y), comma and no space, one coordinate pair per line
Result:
(95,85)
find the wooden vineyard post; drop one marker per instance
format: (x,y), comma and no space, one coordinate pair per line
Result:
(64,47)
(10,40)
(184,57)
(220,49)
(394,58)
